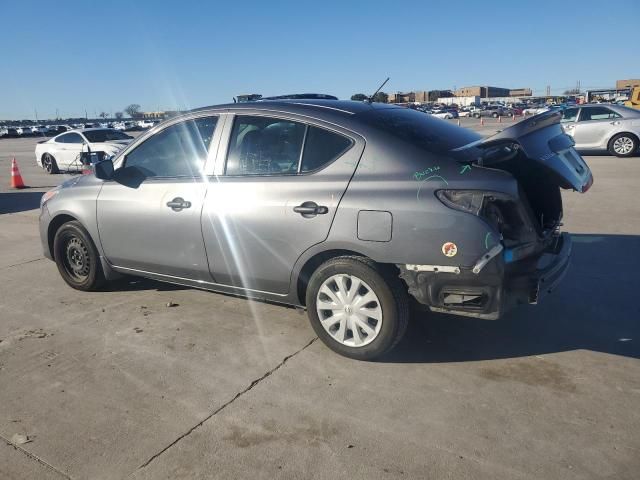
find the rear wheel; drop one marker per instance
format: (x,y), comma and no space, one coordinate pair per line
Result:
(49,163)
(77,257)
(358,309)
(623,145)
(494,115)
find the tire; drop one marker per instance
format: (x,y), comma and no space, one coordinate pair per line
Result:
(77,257)
(494,115)
(373,336)
(49,164)
(623,145)
(476,115)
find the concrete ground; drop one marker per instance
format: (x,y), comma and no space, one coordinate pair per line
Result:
(117,384)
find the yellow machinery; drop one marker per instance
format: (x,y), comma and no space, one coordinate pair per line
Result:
(634,98)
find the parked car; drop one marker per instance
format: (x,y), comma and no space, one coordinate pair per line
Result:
(145,124)
(4,131)
(24,131)
(285,201)
(491,111)
(445,113)
(39,130)
(614,128)
(63,152)
(11,132)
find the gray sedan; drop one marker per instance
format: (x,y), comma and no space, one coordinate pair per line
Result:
(604,127)
(347,209)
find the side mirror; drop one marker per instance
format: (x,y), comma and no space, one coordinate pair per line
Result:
(104,170)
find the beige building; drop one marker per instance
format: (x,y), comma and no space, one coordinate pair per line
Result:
(622,84)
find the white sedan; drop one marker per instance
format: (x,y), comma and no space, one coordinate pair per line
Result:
(63,152)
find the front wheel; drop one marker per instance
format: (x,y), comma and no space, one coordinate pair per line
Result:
(77,258)
(494,115)
(358,309)
(623,145)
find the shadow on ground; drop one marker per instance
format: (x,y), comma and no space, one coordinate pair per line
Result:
(139,284)
(597,307)
(19,201)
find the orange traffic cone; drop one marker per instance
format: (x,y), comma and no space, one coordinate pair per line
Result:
(499,119)
(513,116)
(458,122)
(16,178)
(481,120)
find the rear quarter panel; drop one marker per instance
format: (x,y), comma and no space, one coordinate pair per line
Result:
(402,180)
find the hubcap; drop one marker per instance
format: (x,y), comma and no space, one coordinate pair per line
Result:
(623,145)
(349,310)
(77,259)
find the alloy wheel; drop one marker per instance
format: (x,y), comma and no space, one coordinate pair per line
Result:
(349,310)
(47,163)
(623,145)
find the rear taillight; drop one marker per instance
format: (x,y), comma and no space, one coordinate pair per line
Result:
(470,201)
(499,210)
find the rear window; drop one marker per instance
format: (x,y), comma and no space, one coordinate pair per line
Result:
(321,148)
(423,131)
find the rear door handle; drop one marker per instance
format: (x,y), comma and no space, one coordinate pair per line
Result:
(310,209)
(178,204)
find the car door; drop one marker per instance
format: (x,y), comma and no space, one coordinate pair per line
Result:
(594,127)
(62,151)
(273,196)
(149,213)
(70,150)
(569,119)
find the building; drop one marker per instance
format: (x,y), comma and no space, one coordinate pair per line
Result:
(624,84)
(420,96)
(520,92)
(156,115)
(489,92)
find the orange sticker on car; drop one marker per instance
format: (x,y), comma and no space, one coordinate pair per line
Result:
(449,249)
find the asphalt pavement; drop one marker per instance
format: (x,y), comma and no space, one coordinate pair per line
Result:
(117,384)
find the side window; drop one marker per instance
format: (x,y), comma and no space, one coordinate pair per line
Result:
(569,115)
(597,113)
(73,138)
(62,139)
(321,148)
(264,146)
(177,151)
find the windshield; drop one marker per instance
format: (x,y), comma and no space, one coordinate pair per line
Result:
(423,131)
(106,135)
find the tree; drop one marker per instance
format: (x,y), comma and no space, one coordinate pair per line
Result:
(381,97)
(359,97)
(103,115)
(572,91)
(119,115)
(133,110)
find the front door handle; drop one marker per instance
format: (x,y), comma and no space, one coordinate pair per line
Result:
(310,209)
(178,204)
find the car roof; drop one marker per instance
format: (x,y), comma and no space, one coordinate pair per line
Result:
(347,107)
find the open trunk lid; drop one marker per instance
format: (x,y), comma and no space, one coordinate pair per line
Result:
(541,140)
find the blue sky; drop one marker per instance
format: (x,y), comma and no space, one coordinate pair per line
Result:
(104,55)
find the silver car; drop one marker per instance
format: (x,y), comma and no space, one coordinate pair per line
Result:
(347,209)
(603,127)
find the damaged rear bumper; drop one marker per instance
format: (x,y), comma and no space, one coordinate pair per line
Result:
(495,287)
